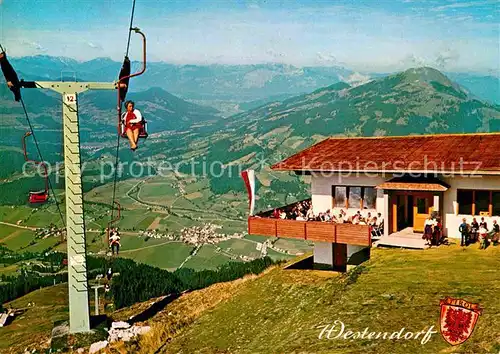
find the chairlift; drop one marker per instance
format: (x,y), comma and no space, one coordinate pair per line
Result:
(41,196)
(143,130)
(115,220)
(123,85)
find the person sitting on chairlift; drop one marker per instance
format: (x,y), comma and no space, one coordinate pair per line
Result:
(114,241)
(109,274)
(132,119)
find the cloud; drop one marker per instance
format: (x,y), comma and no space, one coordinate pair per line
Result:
(94,46)
(412,60)
(444,59)
(253,6)
(326,58)
(274,54)
(34,45)
(458,5)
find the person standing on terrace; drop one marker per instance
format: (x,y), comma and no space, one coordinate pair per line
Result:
(464,232)
(495,233)
(474,229)
(429,229)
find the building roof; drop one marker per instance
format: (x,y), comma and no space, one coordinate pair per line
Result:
(404,183)
(451,153)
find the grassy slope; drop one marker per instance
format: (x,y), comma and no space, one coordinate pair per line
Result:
(33,327)
(280,312)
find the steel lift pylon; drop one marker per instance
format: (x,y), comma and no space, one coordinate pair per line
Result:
(78,289)
(75,220)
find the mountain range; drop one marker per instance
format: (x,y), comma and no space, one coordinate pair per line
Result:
(211,84)
(416,101)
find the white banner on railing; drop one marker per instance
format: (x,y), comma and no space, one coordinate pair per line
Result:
(249,179)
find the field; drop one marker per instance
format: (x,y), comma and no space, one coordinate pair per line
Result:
(207,258)
(168,255)
(16,239)
(8,269)
(242,247)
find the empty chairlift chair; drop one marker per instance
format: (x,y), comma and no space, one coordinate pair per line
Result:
(41,196)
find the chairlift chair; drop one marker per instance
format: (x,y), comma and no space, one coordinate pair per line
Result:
(41,196)
(123,85)
(143,130)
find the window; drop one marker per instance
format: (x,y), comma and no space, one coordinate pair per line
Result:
(465,202)
(354,197)
(422,206)
(370,198)
(475,202)
(482,201)
(340,197)
(496,203)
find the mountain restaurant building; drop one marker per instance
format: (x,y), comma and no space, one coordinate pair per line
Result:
(404,179)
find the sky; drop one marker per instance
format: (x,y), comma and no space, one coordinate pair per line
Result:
(364,35)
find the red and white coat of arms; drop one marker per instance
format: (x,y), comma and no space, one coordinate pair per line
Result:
(458,319)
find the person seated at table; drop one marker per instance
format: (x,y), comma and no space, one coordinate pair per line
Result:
(310,214)
(377,231)
(363,221)
(301,217)
(380,224)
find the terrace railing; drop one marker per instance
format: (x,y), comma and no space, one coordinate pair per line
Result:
(316,231)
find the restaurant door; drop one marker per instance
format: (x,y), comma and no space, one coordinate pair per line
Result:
(410,209)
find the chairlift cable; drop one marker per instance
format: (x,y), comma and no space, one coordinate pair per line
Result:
(41,159)
(130,27)
(119,135)
(116,175)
